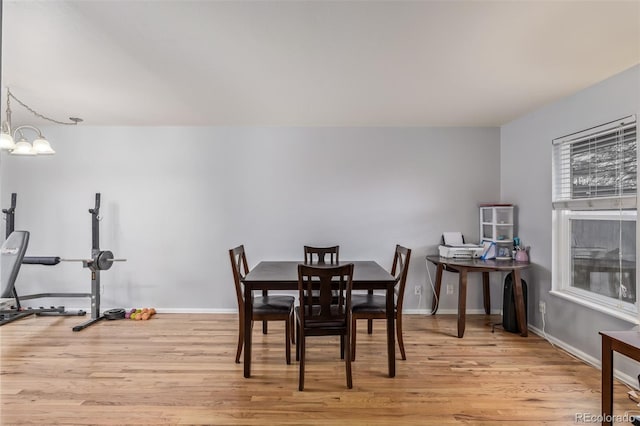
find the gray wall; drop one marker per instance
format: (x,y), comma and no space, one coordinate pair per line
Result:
(174,200)
(526,181)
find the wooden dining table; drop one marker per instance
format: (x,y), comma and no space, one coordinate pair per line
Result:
(283,275)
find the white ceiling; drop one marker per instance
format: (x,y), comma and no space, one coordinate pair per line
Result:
(309,63)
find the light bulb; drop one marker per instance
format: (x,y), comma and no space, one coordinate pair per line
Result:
(41,146)
(6,141)
(23,148)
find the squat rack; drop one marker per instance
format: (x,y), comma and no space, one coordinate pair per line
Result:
(100,260)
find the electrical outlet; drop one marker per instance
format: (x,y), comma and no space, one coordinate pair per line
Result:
(542,307)
(417,290)
(449,288)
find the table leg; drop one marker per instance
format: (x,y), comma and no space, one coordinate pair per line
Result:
(391,328)
(265,293)
(607,381)
(370,321)
(248,315)
(438,284)
(462,301)
(519,299)
(486,292)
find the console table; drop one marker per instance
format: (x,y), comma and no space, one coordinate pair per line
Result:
(463,267)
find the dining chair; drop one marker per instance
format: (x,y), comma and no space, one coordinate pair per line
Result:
(318,255)
(265,308)
(325,315)
(374,306)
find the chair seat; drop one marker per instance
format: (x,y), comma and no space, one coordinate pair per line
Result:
(271,304)
(370,303)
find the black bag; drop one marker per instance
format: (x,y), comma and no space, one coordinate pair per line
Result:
(509,317)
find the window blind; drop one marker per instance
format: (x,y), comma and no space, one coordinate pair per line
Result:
(597,168)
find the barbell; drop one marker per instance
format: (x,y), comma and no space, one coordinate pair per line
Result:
(101,261)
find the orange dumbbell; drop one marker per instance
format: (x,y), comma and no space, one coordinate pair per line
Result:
(148,313)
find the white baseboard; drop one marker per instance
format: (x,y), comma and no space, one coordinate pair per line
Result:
(196,311)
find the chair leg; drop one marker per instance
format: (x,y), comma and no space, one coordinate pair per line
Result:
(353,339)
(297,341)
(264,327)
(370,326)
(399,334)
(292,320)
(301,345)
(240,340)
(348,362)
(342,339)
(287,340)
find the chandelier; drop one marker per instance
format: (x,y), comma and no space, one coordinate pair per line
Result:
(9,135)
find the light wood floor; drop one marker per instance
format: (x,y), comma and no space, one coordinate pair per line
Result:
(180,369)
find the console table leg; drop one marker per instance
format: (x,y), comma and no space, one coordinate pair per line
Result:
(462,301)
(486,293)
(438,284)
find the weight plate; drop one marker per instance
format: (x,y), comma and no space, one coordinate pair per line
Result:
(104,260)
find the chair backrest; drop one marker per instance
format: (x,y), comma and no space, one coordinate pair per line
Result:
(318,255)
(11,255)
(399,270)
(325,307)
(240,268)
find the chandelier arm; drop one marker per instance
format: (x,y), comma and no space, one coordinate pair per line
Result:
(73,121)
(27,126)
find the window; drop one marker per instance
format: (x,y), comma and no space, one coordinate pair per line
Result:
(595,215)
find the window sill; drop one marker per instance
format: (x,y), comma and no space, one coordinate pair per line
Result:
(625,316)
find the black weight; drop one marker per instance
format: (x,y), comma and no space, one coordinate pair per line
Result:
(104,260)
(114,314)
